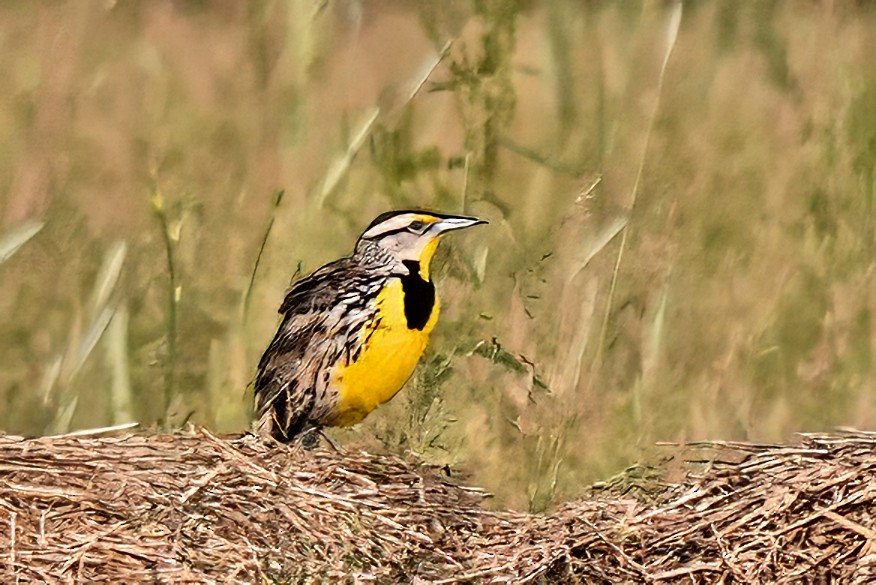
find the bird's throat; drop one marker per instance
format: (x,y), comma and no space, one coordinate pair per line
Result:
(425,259)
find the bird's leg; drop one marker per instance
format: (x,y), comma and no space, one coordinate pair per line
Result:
(309,439)
(331,442)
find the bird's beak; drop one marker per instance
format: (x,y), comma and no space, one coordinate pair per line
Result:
(455,222)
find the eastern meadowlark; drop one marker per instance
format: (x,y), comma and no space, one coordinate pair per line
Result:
(353,331)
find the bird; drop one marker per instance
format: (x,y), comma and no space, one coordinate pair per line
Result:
(352,331)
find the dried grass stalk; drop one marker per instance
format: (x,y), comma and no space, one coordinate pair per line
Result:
(193,507)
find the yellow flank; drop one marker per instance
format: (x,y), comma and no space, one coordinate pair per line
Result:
(387,360)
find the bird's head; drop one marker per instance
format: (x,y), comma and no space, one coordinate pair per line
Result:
(412,235)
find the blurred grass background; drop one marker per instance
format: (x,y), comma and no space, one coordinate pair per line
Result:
(681,202)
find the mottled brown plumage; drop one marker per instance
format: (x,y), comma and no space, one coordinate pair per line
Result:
(322,316)
(379,302)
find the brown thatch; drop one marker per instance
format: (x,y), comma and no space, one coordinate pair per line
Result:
(193,507)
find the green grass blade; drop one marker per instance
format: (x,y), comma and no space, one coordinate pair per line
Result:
(247,294)
(108,276)
(17,237)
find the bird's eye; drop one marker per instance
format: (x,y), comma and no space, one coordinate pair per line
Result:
(417,225)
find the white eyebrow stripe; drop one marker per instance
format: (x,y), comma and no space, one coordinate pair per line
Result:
(393,223)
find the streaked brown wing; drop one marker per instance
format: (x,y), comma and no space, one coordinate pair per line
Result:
(322,316)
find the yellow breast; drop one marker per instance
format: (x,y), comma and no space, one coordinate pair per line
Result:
(390,353)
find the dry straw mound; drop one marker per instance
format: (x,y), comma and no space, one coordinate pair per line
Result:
(197,508)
